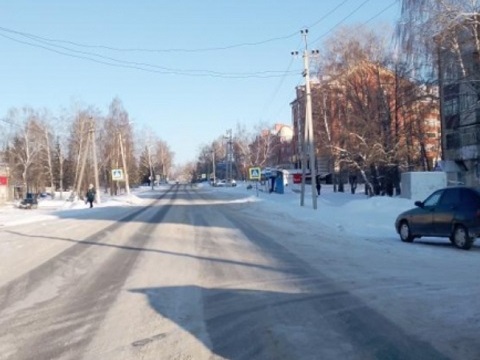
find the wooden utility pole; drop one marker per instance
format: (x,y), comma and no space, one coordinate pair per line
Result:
(124,164)
(95,164)
(82,168)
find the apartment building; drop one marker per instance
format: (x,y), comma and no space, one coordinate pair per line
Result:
(459,81)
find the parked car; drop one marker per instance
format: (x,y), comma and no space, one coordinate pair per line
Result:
(232,182)
(30,202)
(452,212)
(221,183)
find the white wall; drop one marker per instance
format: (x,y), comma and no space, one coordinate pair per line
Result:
(418,185)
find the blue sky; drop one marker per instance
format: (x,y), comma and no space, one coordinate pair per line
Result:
(174,64)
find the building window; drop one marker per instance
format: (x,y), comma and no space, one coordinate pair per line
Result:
(452,141)
(451,106)
(452,121)
(475,63)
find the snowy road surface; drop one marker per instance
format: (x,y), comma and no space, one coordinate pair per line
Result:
(190,274)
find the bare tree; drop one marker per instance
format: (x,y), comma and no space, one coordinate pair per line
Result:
(242,151)
(117,144)
(164,157)
(444,36)
(26,147)
(263,146)
(422,20)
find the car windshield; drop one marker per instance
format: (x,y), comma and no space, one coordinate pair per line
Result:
(432,200)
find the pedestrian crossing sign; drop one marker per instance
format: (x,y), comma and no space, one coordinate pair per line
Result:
(255,173)
(117,174)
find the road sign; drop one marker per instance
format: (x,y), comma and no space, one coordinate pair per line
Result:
(117,174)
(255,173)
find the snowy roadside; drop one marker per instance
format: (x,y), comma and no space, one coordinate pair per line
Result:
(349,213)
(354,214)
(49,209)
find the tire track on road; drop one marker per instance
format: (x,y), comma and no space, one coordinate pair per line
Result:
(62,326)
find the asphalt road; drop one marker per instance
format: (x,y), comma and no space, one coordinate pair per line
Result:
(192,276)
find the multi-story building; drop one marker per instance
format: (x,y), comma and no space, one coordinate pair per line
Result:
(367,116)
(459,80)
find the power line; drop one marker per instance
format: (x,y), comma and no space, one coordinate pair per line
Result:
(208,49)
(341,21)
(381,12)
(111,48)
(327,14)
(48,44)
(277,89)
(105,60)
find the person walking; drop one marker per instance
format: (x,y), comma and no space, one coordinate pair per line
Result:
(90,195)
(317,184)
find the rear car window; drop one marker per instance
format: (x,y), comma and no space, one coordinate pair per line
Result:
(470,198)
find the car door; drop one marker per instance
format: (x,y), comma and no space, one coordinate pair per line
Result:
(422,220)
(445,211)
(468,212)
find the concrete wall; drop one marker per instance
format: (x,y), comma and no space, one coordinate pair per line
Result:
(4,194)
(418,185)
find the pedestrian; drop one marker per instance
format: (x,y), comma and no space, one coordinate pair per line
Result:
(90,195)
(353,183)
(317,184)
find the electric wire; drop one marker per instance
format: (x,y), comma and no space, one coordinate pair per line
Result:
(277,89)
(171,50)
(381,12)
(184,50)
(150,67)
(353,12)
(46,44)
(341,21)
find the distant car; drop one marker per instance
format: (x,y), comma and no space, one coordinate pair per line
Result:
(220,183)
(232,182)
(452,212)
(30,202)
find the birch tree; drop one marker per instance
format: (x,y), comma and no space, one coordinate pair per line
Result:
(26,146)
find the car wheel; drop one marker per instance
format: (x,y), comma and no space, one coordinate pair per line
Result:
(461,238)
(405,233)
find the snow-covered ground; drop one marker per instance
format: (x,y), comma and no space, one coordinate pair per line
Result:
(422,293)
(354,214)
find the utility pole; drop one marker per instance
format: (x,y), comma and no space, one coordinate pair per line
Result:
(124,163)
(229,159)
(82,167)
(95,164)
(150,164)
(213,165)
(309,143)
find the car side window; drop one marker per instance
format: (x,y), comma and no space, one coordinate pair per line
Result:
(451,197)
(432,200)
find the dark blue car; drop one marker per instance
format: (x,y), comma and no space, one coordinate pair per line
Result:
(452,212)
